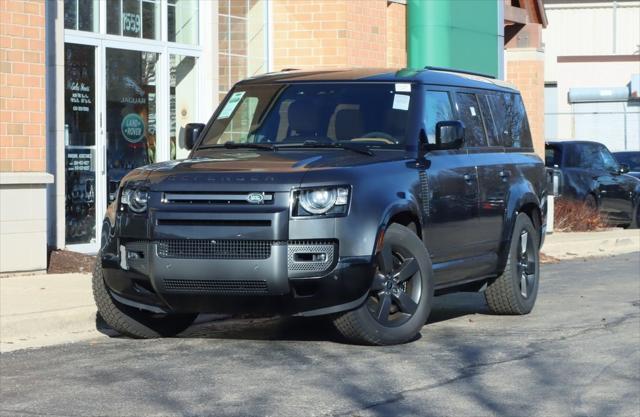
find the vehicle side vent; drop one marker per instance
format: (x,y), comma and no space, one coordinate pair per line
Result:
(216,286)
(424,193)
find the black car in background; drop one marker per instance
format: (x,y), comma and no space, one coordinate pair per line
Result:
(631,159)
(589,172)
(356,195)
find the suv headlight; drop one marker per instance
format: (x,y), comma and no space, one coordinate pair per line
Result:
(321,201)
(135,199)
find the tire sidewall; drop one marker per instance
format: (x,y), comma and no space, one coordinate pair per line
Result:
(401,236)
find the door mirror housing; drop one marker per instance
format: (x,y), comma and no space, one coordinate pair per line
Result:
(624,168)
(192,132)
(449,134)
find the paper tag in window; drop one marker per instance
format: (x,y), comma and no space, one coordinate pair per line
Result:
(403,87)
(231,105)
(401,102)
(473,111)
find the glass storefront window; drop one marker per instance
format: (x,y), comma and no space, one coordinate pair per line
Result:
(80,140)
(81,15)
(134,18)
(242,37)
(182,99)
(182,16)
(131,113)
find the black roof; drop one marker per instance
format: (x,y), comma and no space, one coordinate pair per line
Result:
(422,76)
(573,141)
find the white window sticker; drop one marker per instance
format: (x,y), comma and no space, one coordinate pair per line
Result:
(401,102)
(403,87)
(473,111)
(231,105)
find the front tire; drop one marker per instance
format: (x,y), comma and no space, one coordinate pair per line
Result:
(515,291)
(133,322)
(401,295)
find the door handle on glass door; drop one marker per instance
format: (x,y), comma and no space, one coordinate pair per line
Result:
(468,177)
(504,174)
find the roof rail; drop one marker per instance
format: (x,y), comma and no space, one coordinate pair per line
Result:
(458,71)
(289,69)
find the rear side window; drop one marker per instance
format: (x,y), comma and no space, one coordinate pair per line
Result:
(552,156)
(438,109)
(511,121)
(489,124)
(469,112)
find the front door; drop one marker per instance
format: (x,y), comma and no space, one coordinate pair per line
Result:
(450,195)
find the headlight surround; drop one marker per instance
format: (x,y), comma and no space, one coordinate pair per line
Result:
(135,199)
(321,201)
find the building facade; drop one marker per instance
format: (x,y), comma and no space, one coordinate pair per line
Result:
(90,89)
(592,57)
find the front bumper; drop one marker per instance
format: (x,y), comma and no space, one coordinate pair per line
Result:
(290,277)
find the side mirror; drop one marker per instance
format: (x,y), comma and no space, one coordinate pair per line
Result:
(192,132)
(449,134)
(624,168)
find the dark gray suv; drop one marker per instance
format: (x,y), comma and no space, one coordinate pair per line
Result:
(355,194)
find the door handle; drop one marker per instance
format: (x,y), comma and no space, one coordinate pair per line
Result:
(504,174)
(468,177)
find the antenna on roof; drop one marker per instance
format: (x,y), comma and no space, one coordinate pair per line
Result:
(459,71)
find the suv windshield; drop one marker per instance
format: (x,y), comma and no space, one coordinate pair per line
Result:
(374,115)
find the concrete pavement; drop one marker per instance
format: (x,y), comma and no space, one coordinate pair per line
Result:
(45,310)
(576,354)
(586,244)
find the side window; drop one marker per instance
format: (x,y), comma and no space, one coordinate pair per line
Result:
(510,118)
(469,112)
(608,161)
(552,156)
(438,109)
(489,124)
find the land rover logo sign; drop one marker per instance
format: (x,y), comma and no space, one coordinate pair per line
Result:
(132,128)
(255,198)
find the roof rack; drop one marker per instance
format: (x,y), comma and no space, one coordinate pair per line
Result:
(458,71)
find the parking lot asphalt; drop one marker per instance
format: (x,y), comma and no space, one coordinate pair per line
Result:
(577,354)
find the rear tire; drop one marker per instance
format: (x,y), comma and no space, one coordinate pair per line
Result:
(515,291)
(133,322)
(401,295)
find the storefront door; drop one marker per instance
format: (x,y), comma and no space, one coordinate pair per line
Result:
(131,78)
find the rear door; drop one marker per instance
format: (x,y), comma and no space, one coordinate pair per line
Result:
(493,164)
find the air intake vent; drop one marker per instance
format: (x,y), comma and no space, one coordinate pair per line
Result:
(216,287)
(215,249)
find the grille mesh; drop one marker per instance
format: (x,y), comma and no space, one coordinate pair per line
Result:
(310,247)
(217,287)
(215,249)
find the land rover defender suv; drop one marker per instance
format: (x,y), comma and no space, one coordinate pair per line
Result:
(354,194)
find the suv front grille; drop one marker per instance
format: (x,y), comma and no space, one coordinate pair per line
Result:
(216,286)
(215,249)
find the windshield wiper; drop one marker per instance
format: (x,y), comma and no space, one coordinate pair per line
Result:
(237,145)
(339,145)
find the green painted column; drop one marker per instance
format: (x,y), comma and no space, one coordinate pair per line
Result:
(463,34)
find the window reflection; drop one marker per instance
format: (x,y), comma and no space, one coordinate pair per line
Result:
(182,101)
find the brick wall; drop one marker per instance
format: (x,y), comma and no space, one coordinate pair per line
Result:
(22,85)
(334,33)
(396,35)
(525,69)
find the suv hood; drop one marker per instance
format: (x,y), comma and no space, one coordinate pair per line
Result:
(243,170)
